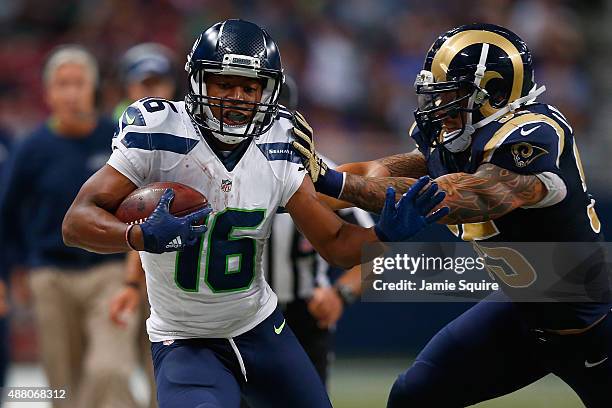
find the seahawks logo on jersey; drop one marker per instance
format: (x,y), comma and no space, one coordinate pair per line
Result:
(132,117)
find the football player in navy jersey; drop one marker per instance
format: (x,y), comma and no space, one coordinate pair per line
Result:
(512,172)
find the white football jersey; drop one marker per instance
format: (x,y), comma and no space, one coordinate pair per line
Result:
(217,288)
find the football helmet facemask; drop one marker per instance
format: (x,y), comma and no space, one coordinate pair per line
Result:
(234,47)
(472,75)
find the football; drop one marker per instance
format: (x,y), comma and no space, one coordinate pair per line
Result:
(137,206)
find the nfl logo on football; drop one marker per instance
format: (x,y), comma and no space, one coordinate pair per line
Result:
(226,185)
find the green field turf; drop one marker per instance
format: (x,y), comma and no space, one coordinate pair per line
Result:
(365,382)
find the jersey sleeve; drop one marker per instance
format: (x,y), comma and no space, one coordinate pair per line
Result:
(533,148)
(529,149)
(282,151)
(133,149)
(294,176)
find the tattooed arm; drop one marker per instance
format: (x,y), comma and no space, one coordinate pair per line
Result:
(411,164)
(487,194)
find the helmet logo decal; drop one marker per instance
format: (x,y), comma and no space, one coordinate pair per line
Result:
(455,44)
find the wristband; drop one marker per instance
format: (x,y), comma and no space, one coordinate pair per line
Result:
(127,236)
(331,184)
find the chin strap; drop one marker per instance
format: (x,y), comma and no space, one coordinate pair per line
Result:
(463,142)
(512,106)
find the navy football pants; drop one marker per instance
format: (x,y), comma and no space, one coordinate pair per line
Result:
(488,352)
(206,373)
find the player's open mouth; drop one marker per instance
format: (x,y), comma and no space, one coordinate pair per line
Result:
(233,117)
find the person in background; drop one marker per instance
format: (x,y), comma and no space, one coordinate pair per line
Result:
(81,350)
(146,70)
(5,147)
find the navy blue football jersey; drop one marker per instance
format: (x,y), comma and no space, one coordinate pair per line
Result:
(535,140)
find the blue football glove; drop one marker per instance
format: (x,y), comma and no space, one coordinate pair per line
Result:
(400,221)
(163,232)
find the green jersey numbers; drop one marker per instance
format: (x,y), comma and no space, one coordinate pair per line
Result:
(230,259)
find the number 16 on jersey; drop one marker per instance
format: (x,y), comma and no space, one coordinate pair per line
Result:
(229,260)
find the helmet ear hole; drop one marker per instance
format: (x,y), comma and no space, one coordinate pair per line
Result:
(498,95)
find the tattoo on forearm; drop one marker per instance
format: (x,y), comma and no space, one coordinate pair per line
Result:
(410,164)
(368,193)
(487,194)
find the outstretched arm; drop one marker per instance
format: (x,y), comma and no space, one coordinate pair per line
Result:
(330,182)
(410,164)
(336,241)
(487,194)
(340,243)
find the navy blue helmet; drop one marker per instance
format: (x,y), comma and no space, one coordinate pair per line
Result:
(234,47)
(477,72)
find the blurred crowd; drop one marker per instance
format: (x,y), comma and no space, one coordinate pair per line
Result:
(354,63)
(354,60)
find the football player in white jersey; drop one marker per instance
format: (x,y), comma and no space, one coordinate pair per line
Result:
(215,329)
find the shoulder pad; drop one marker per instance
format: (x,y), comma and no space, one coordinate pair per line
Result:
(154,124)
(275,144)
(147,112)
(279,131)
(526,142)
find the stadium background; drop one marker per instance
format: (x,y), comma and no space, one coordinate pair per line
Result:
(354,62)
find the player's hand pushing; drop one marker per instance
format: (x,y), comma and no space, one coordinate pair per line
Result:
(163,232)
(400,221)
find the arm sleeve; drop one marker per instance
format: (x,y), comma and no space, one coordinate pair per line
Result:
(130,155)
(130,169)
(294,173)
(536,150)
(533,150)
(294,176)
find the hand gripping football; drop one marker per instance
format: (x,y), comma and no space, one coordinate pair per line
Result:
(137,206)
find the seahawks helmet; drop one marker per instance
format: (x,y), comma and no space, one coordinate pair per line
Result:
(478,72)
(234,47)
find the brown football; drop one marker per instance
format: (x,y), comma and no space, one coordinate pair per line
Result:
(137,206)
